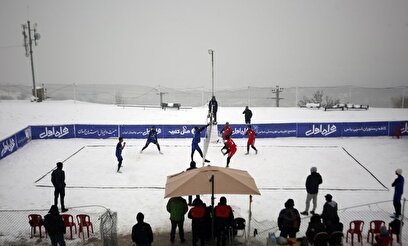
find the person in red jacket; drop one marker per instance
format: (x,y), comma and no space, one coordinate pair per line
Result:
(197,214)
(224,218)
(251,139)
(231,149)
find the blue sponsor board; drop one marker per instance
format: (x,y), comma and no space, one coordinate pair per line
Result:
(181,131)
(23,137)
(398,127)
(138,131)
(319,129)
(264,130)
(359,129)
(8,146)
(96,131)
(53,132)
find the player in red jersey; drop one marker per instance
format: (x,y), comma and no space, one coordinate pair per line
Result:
(231,149)
(251,139)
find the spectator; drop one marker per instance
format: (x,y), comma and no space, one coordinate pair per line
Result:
(383,239)
(55,226)
(398,184)
(289,220)
(251,139)
(212,110)
(329,214)
(58,181)
(315,226)
(224,219)
(142,234)
(152,138)
(198,216)
(248,115)
(177,207)
(312,188)
(335,226)
(192,166)
(118,153)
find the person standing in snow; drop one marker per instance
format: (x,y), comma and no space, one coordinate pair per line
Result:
(119,147)
(329,214)
(251,139)
(142,234)
(248,115)
(177,207)
(152,138)
(212,110)
(289,220)
(58,181)
(312,188)
(55,227)
(398,185)
(196,141)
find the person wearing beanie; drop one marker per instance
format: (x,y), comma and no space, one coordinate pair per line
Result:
(315,226)
(329,214)
(55,226)
(312,188)
(289,220)
(142,234)
(383,239)
(398,185)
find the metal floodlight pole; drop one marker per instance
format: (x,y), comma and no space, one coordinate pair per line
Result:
(211,52)
(35,37)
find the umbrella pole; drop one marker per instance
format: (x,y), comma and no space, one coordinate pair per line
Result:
(212,206)
(249,220)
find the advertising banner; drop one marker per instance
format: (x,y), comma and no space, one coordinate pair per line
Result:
(8,146)
(359,129)
(319,130)
(23,137)
(398,128)
(53,132)
(96,131)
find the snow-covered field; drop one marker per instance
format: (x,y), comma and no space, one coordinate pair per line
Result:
(279,169)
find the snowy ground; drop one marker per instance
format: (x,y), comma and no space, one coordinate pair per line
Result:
(354,170)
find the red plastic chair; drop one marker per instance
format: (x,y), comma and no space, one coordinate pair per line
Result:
(356,227)
(69,222)
(84,221)
(35,220)
(375,226)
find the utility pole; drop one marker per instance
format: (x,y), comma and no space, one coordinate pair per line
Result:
(32,35)
(277,91)
(211,52)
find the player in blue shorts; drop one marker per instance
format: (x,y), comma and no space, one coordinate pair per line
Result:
(152,138)
(196,141)
(119,147)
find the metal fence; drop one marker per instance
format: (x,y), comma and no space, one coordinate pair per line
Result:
(16,230)
(392,97)
(366,213)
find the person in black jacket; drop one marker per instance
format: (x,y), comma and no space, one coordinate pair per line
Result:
(289,220)
(212,110)
(329,214)
(315,226)
(142,234)
(58,181)
(55,226)
(248,115)
(312,188)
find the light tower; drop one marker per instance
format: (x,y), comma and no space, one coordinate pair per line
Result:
(211,52)
(32,35)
